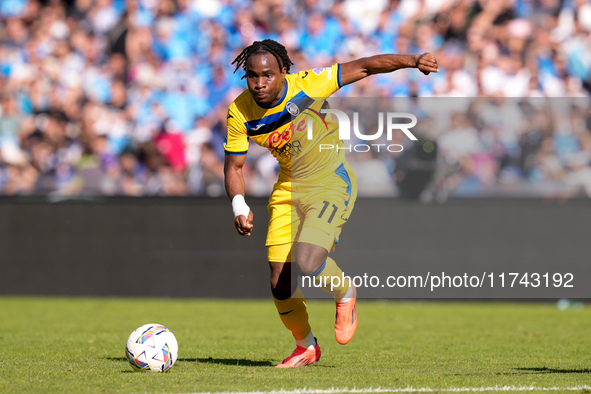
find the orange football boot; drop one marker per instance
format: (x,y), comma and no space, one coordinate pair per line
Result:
(346,318)
(300,357)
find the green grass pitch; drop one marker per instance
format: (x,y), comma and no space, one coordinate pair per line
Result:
(72,345)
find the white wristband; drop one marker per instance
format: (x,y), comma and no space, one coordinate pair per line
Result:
(239,206)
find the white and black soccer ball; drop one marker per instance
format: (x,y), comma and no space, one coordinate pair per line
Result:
(151,347)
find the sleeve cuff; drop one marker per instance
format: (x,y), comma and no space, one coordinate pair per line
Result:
(235,153)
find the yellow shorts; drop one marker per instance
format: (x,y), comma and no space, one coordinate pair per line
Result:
(311,212)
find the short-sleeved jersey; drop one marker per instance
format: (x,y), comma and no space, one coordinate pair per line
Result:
(283,128)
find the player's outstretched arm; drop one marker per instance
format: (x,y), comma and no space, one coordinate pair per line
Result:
(234,182)
(358,69)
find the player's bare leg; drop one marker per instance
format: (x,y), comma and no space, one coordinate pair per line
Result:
(313,261)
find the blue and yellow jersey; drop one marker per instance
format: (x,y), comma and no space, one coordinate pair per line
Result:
(283,128)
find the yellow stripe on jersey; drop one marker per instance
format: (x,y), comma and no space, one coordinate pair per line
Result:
(283,128)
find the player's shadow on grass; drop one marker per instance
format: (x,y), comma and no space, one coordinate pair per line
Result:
(116,358)
(554,370)
(242,362)
(226,361)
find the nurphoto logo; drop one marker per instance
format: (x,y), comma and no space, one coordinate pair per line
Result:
(392,120)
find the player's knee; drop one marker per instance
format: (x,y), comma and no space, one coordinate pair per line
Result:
(310,259)
(281,289)
(308,267)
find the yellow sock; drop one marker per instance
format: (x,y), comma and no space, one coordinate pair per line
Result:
(329,278)
(294,314)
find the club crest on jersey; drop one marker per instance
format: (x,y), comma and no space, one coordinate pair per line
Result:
(293,109)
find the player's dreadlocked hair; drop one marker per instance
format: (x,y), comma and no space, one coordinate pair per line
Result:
(260,47)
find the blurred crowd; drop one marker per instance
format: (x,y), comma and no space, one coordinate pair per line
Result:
(129,97)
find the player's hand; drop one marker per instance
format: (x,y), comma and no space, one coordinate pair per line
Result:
(244,224)
(427,63)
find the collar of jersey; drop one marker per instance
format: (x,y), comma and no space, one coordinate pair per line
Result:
(282,96)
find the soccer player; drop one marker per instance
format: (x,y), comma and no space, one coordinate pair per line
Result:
(315,192)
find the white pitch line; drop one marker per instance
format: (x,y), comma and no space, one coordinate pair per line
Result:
(406,390)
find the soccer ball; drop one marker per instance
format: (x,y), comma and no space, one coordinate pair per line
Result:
(151,347)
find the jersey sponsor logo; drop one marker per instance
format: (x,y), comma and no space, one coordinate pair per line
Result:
(289,147)
(278,138)
(284,151)
(255,128)
(292,108)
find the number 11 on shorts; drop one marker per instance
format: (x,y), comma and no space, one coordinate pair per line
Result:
(334,211)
